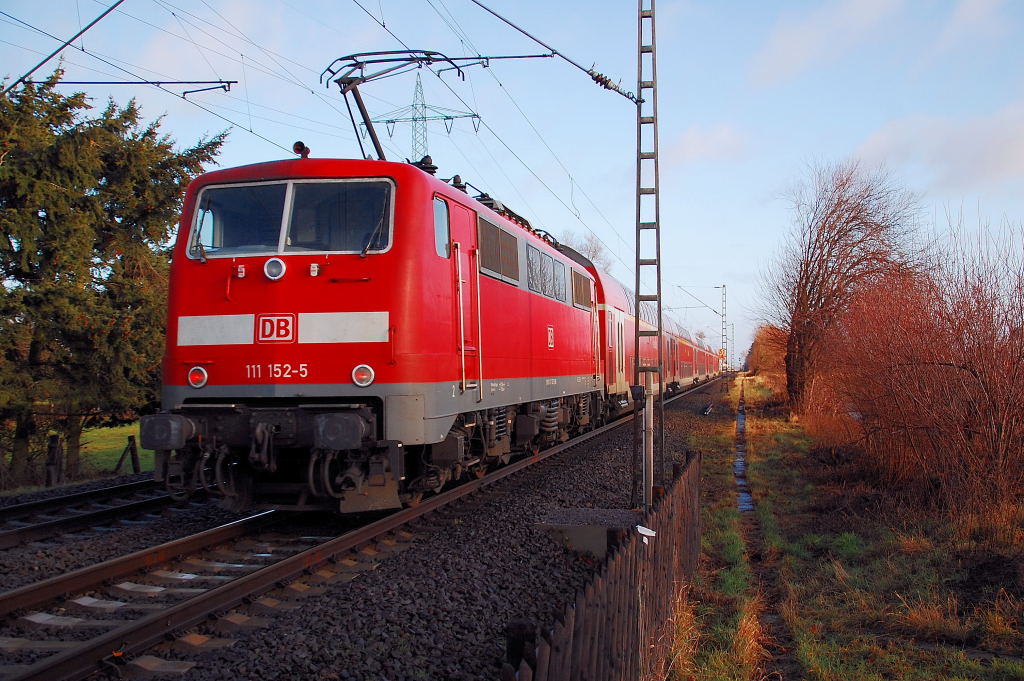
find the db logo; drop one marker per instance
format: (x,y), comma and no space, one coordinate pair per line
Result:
(275,328)
(551,337)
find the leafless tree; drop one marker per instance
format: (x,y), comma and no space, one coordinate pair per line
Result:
(851,227)
(589,246)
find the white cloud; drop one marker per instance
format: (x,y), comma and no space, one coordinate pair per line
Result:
(972,19)
(798,42)
(958,154)
(722,141)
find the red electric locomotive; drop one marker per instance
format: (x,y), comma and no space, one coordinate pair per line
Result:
(349,334)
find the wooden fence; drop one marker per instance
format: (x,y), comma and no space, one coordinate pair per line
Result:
(619,627)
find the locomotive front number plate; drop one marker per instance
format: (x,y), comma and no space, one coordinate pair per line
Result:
(276,370)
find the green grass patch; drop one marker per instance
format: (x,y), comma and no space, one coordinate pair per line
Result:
(735,581)
(771,533)
(725,595)
(872,658)
(875,590)
(868,589)
(848,546)
(102,447)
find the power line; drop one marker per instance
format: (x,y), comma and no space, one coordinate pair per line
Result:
(463,37)
(699,300)
(328,129)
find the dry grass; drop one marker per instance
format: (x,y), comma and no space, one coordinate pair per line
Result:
(1000,525)
(912,545)
(933,617)
(840,572)
(867,585)
(1001,627)
(717,630)
(995,627)
(828,430)
(685,632)
(749,645)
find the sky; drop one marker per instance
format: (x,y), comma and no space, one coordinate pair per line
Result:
(751,96)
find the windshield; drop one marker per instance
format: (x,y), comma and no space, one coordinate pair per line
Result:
(330,216)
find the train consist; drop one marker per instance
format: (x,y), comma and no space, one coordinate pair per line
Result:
(350,334)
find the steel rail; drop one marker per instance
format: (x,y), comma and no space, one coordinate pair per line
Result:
(33,595)
(31,532)
(136,636)
(53,503)
(119,644)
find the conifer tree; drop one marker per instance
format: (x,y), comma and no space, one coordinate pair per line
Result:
(87,207)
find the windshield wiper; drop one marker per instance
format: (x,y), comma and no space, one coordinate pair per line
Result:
(375,234)
(199,233)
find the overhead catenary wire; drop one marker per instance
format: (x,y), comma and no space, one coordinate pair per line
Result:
(599,78)
(59,49)
(698,300)
(152,84)
(199,49)
(192,29)
(460,33)
(293,78)
(457,29)
(276,70)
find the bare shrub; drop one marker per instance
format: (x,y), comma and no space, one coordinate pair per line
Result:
(767,357)
(927,369)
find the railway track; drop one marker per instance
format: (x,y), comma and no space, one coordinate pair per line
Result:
(135,602)
(32,521)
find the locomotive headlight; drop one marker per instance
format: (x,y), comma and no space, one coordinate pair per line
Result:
(362,375)
(197,377)
(274,269)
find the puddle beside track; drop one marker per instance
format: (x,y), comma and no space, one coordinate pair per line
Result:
(744,500)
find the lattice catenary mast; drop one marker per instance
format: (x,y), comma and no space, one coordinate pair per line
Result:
(648,252)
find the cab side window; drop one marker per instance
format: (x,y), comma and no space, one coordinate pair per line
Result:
(442,231)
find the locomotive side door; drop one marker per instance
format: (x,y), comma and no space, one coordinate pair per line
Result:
(612,365)
(466,280)
(616,352)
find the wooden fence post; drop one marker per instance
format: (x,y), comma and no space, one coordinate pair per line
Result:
(54,461)
(130,449)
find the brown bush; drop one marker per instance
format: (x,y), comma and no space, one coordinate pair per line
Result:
(927,370)
(767,357)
